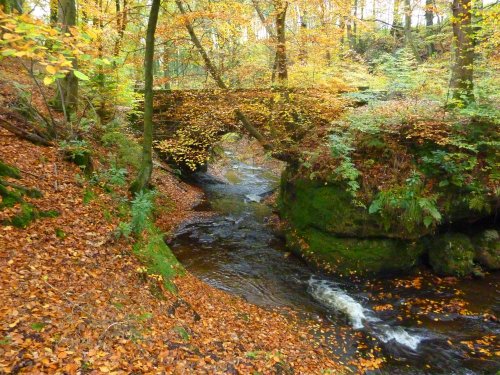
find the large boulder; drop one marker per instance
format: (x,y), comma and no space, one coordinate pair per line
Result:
(328,207)
(451,254)
(487,246)
(326,226)
(354,255)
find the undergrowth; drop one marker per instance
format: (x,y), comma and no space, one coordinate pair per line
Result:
(160,264)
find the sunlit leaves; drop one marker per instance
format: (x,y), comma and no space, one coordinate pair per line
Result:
(27,37)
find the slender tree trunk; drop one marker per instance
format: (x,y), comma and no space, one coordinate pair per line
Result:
(396,19)
(53,11)
(144,177)
(118,15)
(272,35)
(68,85)
(281,60)
(302,36)
(429,23)
(217,77)
(354,36)
(167,51)
(408,32)
(462,71)
(263,19)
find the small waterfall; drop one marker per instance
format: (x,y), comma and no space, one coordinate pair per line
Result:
(334,298)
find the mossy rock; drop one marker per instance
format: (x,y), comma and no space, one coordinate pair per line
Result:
(352,255)
(330,208)
(487,246)
(452,254)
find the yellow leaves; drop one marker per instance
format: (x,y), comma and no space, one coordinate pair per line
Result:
(15,323)
(9,36)
(385,307)
(26,37)
(51,69)
(48,80)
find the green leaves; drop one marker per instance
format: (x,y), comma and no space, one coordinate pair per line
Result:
(80,75)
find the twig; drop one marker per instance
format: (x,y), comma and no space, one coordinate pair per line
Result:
(31,73)
(108,328)
(31,174)
(56,187)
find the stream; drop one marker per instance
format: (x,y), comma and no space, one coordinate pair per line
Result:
(421,324)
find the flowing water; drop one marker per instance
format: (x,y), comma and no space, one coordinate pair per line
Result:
(422,324)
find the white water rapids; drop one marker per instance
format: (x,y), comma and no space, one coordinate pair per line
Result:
(331,296)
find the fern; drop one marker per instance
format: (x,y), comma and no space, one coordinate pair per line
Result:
(142,211)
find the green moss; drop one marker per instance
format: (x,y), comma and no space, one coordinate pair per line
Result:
(182,332)
(81,157)
(60,233)
(9,197)
(329,208)
(451,254)
(25,216)
(128,151)
(159,259)
(9,171)
(352,255)
(50,213)
(487,248)
(233,177)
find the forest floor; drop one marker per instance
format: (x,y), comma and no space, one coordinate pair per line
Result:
(73,301)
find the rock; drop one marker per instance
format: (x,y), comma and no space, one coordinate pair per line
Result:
(342,235)
(330,208)
(487,247)
(336,235)
(452,254)
(354,255)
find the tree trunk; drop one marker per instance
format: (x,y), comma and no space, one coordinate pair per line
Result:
(120,25)
(302,36)
(396,19)
(167,52)
(271,34)
(68,95)
(12,5)
(53,11)
(408,32)
(462,70)
(429,22)
(211,68)
(144,177)
(354,36)
(281,60)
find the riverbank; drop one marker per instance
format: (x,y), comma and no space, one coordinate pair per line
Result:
(420,323)
(73,300)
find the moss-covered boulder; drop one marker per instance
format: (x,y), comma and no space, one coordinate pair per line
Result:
(487,246)
(354,255)
(452,254)
(328,207)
